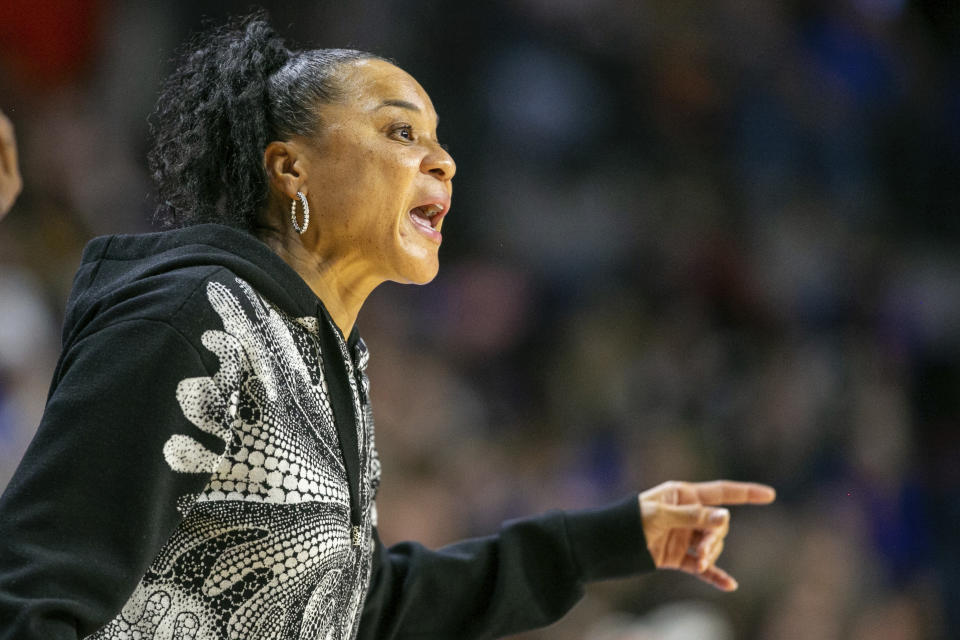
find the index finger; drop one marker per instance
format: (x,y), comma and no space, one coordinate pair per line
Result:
(731,492)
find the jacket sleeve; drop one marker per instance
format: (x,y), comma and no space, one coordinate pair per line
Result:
(527,576)
(95,496)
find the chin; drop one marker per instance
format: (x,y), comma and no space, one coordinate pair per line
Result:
(424,273)
(426,278)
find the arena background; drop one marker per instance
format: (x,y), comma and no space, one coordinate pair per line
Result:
(689,240)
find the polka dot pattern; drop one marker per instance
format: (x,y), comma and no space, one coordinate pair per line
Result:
(264,551)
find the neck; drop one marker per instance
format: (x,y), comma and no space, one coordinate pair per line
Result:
(342,284)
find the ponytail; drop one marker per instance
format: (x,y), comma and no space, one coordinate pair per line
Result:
(235,90)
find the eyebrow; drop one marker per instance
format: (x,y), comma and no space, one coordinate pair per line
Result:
(403,104)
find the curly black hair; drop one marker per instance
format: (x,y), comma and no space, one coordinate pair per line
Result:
(236,89)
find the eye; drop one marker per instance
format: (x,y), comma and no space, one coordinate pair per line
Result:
(402,132)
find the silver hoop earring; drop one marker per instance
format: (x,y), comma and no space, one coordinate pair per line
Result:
(306,213)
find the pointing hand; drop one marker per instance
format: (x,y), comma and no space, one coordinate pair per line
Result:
(685,527)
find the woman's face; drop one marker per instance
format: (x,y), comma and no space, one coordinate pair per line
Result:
(378,181)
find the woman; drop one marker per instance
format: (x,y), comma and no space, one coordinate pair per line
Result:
(206,467)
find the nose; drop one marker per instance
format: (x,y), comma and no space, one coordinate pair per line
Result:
(439,163)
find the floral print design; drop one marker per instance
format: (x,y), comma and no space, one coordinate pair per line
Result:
(264,550)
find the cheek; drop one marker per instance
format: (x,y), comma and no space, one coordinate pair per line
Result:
(388,189)
(366,192)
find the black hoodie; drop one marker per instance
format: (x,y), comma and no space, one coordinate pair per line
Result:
(205,468)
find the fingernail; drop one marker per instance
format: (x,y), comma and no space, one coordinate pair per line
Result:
(718,516)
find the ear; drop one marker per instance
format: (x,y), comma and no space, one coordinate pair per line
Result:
(286,168)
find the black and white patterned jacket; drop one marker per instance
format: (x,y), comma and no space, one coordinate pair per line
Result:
(206,469)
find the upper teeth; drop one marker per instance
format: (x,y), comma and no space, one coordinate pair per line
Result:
(431,210)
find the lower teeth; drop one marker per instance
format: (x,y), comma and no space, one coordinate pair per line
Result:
(424,222)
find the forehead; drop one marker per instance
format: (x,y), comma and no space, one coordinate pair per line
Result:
(369,83)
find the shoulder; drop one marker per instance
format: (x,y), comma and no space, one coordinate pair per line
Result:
(169,277)
(188,299)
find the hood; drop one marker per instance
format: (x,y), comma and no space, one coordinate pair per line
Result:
(121,270)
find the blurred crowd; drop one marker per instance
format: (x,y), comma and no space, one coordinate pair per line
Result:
(688,240)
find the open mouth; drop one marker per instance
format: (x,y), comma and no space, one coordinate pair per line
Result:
(428,216)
